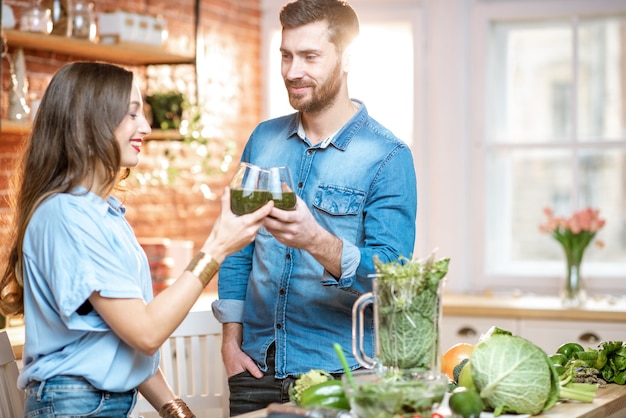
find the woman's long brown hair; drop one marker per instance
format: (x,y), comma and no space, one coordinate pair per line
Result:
(73,134)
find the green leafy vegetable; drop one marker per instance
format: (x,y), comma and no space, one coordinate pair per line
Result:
(614,370)
(512,374)
(457,369)
(606,364)
(408,311)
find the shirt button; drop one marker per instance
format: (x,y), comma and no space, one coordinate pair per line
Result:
(281,291)
(288,256)
(300,184)
(279,326)
(310,152)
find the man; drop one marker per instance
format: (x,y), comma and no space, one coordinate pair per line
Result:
(286,299)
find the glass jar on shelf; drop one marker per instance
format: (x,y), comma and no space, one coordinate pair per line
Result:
(60,11)
(83,20)
(36,18)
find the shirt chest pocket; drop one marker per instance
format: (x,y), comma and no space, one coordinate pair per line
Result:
(338,201)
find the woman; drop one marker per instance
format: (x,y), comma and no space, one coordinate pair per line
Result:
(75,269)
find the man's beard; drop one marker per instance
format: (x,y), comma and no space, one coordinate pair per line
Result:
(323,95)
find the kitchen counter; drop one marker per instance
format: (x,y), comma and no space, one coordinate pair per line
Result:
(533,306)
(610,402)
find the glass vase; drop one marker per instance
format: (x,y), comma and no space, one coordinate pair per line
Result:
(573,293)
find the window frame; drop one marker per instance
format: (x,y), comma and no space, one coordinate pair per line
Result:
(541,278)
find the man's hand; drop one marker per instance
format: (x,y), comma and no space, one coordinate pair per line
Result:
(235,360)
(298,229)
(295,228)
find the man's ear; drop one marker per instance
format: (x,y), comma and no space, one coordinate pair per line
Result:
(346,58)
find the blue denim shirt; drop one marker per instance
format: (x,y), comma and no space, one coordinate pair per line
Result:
(361,187)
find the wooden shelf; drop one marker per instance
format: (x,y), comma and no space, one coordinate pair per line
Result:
(121,53)
(160,135)
(14,127)
(18,128)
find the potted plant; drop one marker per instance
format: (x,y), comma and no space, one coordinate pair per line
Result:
(166,109)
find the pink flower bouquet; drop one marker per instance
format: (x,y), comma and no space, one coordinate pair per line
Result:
(575,234)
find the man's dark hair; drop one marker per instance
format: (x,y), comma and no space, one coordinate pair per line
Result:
(343,22)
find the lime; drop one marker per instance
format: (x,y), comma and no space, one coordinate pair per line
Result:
(466,403)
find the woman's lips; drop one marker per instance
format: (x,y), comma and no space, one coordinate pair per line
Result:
(136,143)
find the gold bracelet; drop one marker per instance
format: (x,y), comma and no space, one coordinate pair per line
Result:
(204,267)
(176,408)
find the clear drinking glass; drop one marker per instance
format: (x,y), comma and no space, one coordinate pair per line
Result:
(83,20)
(280,186)
(36,18)
(248,189)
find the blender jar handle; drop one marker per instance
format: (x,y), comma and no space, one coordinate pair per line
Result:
(357,330)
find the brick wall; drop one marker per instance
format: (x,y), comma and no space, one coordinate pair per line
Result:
(229,96)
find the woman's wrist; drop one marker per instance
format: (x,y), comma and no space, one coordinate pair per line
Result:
(204,267)
(176,408)
(217,251)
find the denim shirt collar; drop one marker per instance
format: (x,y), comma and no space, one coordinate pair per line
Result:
(340,139)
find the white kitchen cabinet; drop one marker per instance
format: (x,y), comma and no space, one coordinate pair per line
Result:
(468,329)
(540,319)
(550,334)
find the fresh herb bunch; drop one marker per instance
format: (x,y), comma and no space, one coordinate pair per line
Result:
(606,364)
(409,307)
(614,370)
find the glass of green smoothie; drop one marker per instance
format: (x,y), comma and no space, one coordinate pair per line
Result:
(249,189)
(280,186)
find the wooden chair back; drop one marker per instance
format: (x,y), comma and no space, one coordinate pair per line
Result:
(191,361)
(11,398)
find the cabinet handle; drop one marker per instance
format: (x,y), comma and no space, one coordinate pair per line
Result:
(466,332)
(589,338)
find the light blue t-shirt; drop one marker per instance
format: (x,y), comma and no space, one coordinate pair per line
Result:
(77,244)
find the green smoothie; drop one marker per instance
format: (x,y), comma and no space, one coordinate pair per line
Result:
(246,201)
(284,200)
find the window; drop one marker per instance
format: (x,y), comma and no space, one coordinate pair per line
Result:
(554,135)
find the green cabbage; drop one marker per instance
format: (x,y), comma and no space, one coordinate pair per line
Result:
(513,375)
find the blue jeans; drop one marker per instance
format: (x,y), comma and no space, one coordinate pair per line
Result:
(74,397)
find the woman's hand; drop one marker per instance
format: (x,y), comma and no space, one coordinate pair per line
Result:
(230,232)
